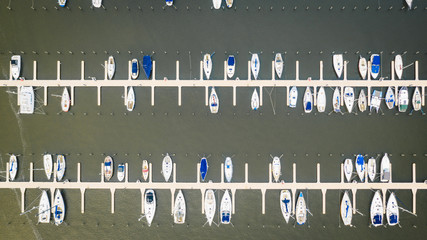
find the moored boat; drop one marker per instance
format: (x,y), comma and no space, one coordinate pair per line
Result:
(255,100)
(108,168)
(210,205)
(385,168)
(97,3)
(213,101)
(225,208)
(147,65)
(392,211)
(375,65)
(390,98)
(231,66)
(416,99)
(409,3)
(372,169)
(44,208)
(376,100)
(26,100)
(216,4)
(207,65)
(150,206)
(349,98)
(377,209)
(180,209)
(278,64)
(301,210)
(121,172)
(360,167)
(13,167)
(321,100)
(111,67)
(362,102)
(286,204)
(48,165)
(293,97)
(167,167)
(398,66)
(130,100)
(15,66)
(228,169)
(403,99)
(169,3)
(338,64)
(363,67)
(276,169)
(308,100)
(135,68)
(58,208)
(65,100)
(203,168)
(145,170)
(348,169)
(346,209)
(229,3)
(60,167)
(62,3)
(336,100)
(255,65)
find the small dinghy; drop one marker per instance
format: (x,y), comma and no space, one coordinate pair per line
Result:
(97,3)
(392,210)
(346,209)
(147,65)
(276,169)
(278,64)
(169,3)
(403,99)
(167,167)
(349,98)
(62,3)
(48,165)
(348,169)
(217,4)
(150,206)
(416,99)
(210,206)
(362,102)
(65,100)
(225,208)
(372,169)
(308,100)
(375,65)
(207,65)
(229,3)
(293,97)
(255,65)
(336,100)
(363,67)
(15,66)
(60,167)
(376,100)
(228,169)
(13,167)
(180,209)
(409,3)
(231,66)
(398,66)
(286,204)
(145,170)
(301,210)
(213,101)
(203,168)
(108,168)
(135,68)
(111,67)
(255,100)
(377,209)
(130,100)
(26,100)
(44,208)
(121,172)
(385,169)
(321,100)
(360,167)
(389,98)
(58,208)
(338,64)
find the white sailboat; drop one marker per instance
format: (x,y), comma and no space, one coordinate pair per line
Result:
(363,67)
(348,169)
(207,65)
(360,167)
(231,66)
(228,169)
(108,168)
(276,169)
(286,204)
(111,67)
(346,209)
(130,100)
(376,100)
(409,2)
(167,167)
(60,167)
(180,209)
(145,170)
(15,66)
(377,209)
(150,206)
(278,64)
(416,99)
(398,66)
(321,100)
(336,100)
(48,165)
(308,100)
(392,211)
(121,170)
(338,64)
(225,208)
(255,100)
(13,167)
(97,3)
(26,100)
(229,3)
(135,68)
(217,4)
(58,208)
(255,65)
(349,98)
(213,101)
(293,97)
(210,205)
(301,210)
(65,100)
(372,169)
(362,102)
(385,168)
(403,99)
(44,208)
(390,98)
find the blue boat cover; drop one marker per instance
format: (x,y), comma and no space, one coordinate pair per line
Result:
(360,160)
(121,168)
(378,219)
(203,168)
(376,64)
(226,217)
(107,164)
(214,104)
(134,67)
(308,107)
(147,65)
(376,60)
(57,212)
(393,218)
(231,61)
(286,201)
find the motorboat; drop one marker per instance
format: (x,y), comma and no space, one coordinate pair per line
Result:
(225,208)
(44,208)
(377,210)
(207,65)
(255,100)
(363,67)
(108,168)
(228,169)
(60,167)
(26,100)
(169,3)
(390,98)
(301,210)
(308,100)
(135,68)
(13,167)
(376,100)
(362,102)
(286,204)
(416,99)
(349,98)
(360,167)
(338,64)
(65,100)
(97,3)
(121,172)
(403,99)
(278,64)
(111,67)
(392,210)
(167,167)
(130,100)
(213,101)
(229,3)
(203,168)
(375,65)
(276,169)
(210,206)
(180,209)
(385,168)
(145,170)
(217,4)
(255,65)
(346,209)
(48,165)
(231,66)
(348,169)
(15,66)
(336,100)
(293,97)
(147,65)
(58,208)
(372,169)
(321,100)
(62,3)
(150,206)
(398,66)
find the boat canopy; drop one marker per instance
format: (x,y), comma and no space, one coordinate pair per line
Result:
(393,219)
(378,219)
(376,60)
(231,61)
(121,168)
(108,164)
(14,62)
(58,212)
(360,160)
(150,197)
(308,107)
(147,65)
(226,216)
(214,104)
(134,67)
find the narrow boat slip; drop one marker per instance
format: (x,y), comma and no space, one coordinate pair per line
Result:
(44,208)
(377,209)
(403,99)
(255,65)
(180,209)
(372,169)
(130,100)
(213,101)
(207,65)
(48,165)
(15,64)
(13,167)
(389,98)
(216,4)
(375,65)
(167,167)
(360,167)
(338,64)
(286,204)
(278,64)
(301,210)
(255,100)
(150,206)
(392,210)
(111,67)
(375,100)
(336,100)
(385,168)
(147,65)
(321,100)
(228,169)
(65,100)
(26,100)
(169,3)
(363,67)
(61,166)
(348,169)
(349,98)
(276,169)
(231,66)
(108,168)
(145,170)
(97,3)
(121,172)
(58,208)
(308,100)
(229,3)
(203,168)
(362,102)
(346,209)
(398,66)
(210,205)
(135,68)
(62,3)
(416,99)
(293,97)
(225,208)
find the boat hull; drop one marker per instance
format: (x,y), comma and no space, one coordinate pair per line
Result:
(145,170)
(210,206)
(225,208)
(348,169)
(58,208)
(255,65)
(207,65)
(150,206)
(203,168)
(111,67)
(48,165)
(372,169)
(167,167)
(392,210)
(130,100)
(308,100)
(255,100)
(108,168)
(349,98)
(278,64)
(301,210)
(385,169)
(286,204)
(121,171)
(293,97)
(61,166)
(228,169)
(44,208)
(363,68)
(398,66)
(65,100)
(13,167)
(213,101)
(346,209)
(338,64)
(276,169)
(377,209)
(321,100)
(180,209)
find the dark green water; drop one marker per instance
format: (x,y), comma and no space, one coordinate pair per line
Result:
(89,131)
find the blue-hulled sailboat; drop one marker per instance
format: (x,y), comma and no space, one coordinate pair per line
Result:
(147,65)
(203,168)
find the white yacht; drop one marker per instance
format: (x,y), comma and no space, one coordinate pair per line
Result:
(225,208)
(321,100)
(278,64)
(338,64)
(150,206)
(167,167)
(180,209)
(15,66)
(349,98)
